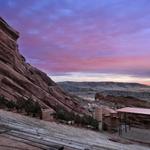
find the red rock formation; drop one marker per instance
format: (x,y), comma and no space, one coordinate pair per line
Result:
(120,101)
(20,79)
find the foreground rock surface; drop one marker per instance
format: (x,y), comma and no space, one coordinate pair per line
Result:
(29,133)
(19,79)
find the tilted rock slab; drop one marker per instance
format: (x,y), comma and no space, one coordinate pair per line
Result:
(19,79)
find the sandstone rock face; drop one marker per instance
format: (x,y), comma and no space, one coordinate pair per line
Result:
(19,79)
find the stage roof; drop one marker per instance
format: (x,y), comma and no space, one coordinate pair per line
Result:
(143,111)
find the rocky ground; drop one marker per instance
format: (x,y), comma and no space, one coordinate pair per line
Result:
(141,135)
(24,133)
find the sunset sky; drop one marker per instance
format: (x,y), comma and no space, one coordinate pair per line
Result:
(84,40)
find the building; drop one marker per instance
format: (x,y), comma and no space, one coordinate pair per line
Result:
(127,117)
(106,117)
(47,114)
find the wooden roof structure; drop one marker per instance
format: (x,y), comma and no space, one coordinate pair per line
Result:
(134,110)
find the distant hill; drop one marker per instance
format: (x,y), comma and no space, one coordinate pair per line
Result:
(88,90)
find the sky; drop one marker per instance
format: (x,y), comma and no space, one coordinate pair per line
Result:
(84,40)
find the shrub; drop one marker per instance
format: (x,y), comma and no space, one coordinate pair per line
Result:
(3,101)
(36,111)
(29,106)
(32,108)
(10,104)
(64,115)
(20,103)
(68,116)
